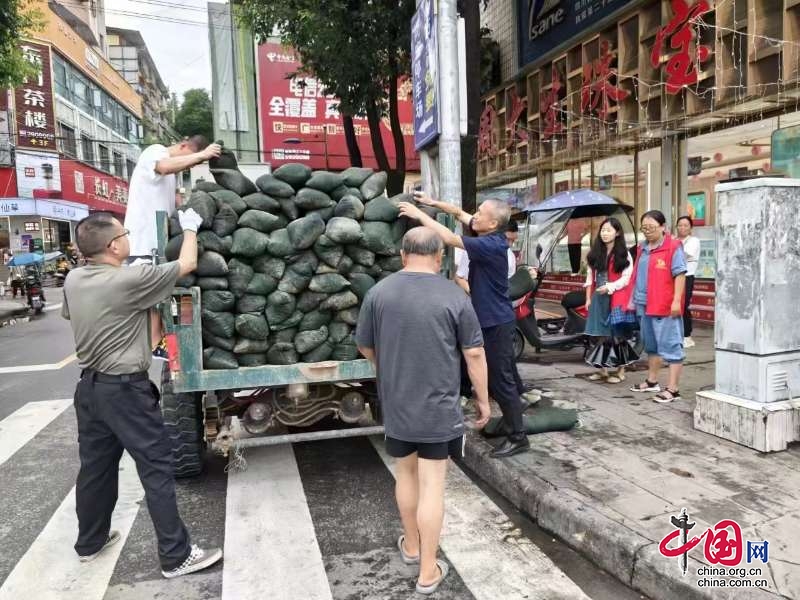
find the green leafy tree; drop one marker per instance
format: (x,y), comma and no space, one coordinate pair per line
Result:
(357,49)
(195,114)
(17,20)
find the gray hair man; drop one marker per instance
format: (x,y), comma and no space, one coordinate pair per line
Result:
(414,326)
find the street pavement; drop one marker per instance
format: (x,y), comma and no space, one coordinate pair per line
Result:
(308,521)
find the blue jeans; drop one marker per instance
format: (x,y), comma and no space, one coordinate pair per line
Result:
(662,336)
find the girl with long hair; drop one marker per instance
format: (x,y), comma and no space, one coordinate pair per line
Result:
(608,290)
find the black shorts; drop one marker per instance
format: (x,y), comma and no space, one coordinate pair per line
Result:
(431,451)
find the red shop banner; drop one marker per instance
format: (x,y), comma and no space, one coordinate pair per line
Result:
(35,106)
(100,191)
(300,121)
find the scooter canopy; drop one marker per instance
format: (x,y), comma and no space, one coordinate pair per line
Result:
(581,203)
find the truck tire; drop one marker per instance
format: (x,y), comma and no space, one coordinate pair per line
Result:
(183,417)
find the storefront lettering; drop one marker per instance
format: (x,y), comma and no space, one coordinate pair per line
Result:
(598,91)
(517,109)
(549,106)
(34,100)
(100,187)
(543,18)
(9,207)
(487,137)
(681,68)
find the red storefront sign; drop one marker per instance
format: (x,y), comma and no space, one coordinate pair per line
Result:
(100,191)
(681,68)
(299,110)
(550,107)
(8,182)
(516,131)
(599,84)
(487,136)
(36,122)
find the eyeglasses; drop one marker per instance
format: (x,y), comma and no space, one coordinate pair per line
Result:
(116,237)
(649,228)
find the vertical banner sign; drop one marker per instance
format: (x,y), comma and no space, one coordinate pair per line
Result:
(36,123)
(424,53)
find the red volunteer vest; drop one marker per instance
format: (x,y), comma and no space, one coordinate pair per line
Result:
(660,282)
(620,298)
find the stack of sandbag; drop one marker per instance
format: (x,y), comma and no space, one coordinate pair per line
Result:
(286,261)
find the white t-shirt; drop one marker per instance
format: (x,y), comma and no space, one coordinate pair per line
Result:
(691,248)
(462,263)
(149,192)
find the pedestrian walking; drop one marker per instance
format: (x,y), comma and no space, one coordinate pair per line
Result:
(117,406)
(660,272)
(691,248)
(488,285)
(152,189)
(414,326)
(608,290)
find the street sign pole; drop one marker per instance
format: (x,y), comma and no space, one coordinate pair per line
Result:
(449,110)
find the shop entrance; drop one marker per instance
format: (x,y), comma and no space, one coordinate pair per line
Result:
(56,235)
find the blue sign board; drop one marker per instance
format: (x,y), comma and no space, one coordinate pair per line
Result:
(545,25)
(425,76)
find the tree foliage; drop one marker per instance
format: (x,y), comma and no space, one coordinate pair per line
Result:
(17,20)
(195,114)
(357,49)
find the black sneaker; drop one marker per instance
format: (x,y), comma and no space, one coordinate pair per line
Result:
(197,560)
(113,538)
(160,353)
(510,448)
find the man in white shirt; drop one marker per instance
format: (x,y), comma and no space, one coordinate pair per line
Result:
(691,248)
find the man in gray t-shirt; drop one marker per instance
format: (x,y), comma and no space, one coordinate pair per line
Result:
(415,325)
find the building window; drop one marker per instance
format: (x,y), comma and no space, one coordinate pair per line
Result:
(67,139)
(87,148)
(131,166)
(105,158)
(118,165)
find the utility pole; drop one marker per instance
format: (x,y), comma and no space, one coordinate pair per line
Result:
(450,138)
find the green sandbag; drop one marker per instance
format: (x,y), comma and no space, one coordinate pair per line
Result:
(360,255)
(314,320)
(356,193)
(280,307)
(271,186)
(217,300)
(378,238)
(259,201)
(211,241)
(306,341)
(270,266)
(218,323)
(248,346)
(381,209)
(207,186)
(204,205)
(239,275)
(374,186)
(292,322)
(360,283)
(229,198)
(345,352)
(304,232)
(390,263)
(325,181)
(225,221)
(294,282)
(339,193)
(173,248)
(311,199)
(320,353)
(350,207)
(186,281)
(285,336)
(295,174)
(282,353)
(384,275)
(261,285)
(348,315)
(212,283)
(344,231)
(259,220)
(249,242)
(326,214)
(250,303)
(399,229)
(328,284)
(174,226)
(279,244)
(233,180)
(308,301)
(211,264)
(338,331)
(340,301)
(355,176)
(328,251)
(289,208)
(539,420)
(252,360)
(345,266)
(251,326)
(304,263)
(226,343)
(217,358)
(324,269)
(225,160)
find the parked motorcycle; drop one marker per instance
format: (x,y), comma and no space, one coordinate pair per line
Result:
(34,291)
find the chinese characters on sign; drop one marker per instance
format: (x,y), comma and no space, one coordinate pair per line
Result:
(34,101)
(550,107)
(487,136)
(599,84)
(425,75)
(516,133)
(681,67)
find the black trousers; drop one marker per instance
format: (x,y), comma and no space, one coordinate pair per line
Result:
(124,415)
(466,384)
(499,347)
(574,257)
(687,301)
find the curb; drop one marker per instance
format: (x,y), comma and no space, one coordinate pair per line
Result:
(571,516)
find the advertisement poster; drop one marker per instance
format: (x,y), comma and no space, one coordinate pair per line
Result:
(36,122)
(696,207)
(707,263)
(424,54)
(37,171)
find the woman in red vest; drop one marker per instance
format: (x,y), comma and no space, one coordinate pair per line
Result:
(608,291)
(660,279)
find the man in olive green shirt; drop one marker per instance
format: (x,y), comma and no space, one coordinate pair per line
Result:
(116,404)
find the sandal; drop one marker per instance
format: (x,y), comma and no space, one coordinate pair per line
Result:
(667,395)
(616,378)
(444,568)
(646,386)
(407,558)
(598,377)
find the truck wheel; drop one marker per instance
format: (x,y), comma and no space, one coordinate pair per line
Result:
(183,416)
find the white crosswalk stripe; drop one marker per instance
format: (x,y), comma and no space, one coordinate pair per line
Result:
(21,426)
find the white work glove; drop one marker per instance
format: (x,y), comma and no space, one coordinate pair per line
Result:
(190,220)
